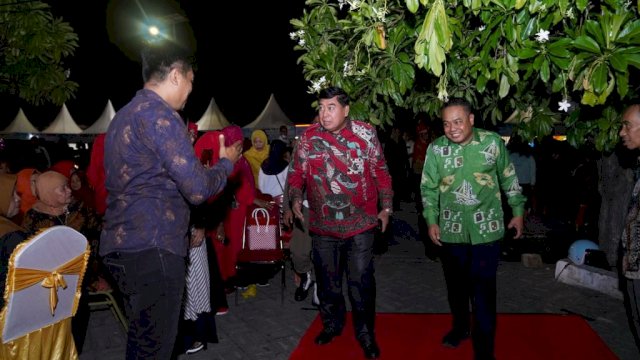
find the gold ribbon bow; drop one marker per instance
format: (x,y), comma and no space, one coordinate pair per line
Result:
(52,279)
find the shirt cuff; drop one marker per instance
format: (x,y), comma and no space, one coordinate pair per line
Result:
(227,165)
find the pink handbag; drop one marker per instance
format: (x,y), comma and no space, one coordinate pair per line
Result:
(261,230)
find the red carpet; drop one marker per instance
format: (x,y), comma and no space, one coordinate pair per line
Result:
(418,336)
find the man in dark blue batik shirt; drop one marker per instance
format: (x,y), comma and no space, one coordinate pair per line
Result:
(152,175)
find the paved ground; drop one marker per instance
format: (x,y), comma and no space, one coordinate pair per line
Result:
(263,328)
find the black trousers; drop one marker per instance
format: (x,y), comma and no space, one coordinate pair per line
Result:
(470,273)
(152,284)
(631,293)
(332,257)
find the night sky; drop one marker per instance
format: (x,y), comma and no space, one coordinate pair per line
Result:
(243,54)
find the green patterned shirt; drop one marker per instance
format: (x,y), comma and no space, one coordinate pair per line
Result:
(461,185)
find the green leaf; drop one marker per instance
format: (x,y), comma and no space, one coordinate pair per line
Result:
(522,17)
(528,29)
(586,43)
(558,84)
(559,48)
(589,98)
(633,60)
(599,78)
(509,31)
(527,53)
(544,71)
(296,23)
(562,63)
(602,99)
(563,4)
(581,4)
(630,50)
(537,62)
(593,28)
(520,4)
(622,84)
(618,61)
(504,86)
(630,32)
(481,83)
(412,5)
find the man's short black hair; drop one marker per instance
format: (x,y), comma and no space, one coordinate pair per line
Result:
(333,91)
(458,102)
(157,61)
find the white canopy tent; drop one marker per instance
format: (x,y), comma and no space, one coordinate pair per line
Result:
(272,117)
(20,125)
(102,124)
(213,118)
(63,124)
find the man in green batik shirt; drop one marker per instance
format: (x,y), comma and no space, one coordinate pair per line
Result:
(464,173)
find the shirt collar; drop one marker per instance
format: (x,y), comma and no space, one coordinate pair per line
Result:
(474,138)
(347,127)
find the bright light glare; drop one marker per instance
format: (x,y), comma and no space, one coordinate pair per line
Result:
(154,31)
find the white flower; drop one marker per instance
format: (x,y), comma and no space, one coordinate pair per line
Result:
(301,42)
(443,95)
(481,28)
(542,35)
(380,13)
(347,68)
(341,3)
(300,33)
(564,105)
(317,85)
(293,35)
(570,14)
(354,4)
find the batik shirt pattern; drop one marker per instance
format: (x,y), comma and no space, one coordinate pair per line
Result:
(152,175)
(344,175)
(461,188)
(631,237)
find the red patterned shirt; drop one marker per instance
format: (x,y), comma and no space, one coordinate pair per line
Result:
(343,175)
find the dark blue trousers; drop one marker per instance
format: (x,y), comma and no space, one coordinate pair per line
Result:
(333,257)
(470,273)
(152,284)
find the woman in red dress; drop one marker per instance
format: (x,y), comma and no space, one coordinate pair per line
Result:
(234,200)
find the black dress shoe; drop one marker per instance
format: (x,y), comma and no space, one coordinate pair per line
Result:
(326,336)
(454,338)
(370,349)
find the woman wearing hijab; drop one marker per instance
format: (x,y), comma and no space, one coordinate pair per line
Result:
(96,176)
(64,167)
(229,207)
(272,176)
(258,152)
(81,190)
(10,233)
(25,188)
(55,206)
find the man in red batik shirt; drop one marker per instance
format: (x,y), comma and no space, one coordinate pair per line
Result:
(340,164)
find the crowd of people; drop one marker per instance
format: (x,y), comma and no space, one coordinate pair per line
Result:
(164,209)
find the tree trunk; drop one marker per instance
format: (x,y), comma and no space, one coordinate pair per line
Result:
(615,186)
